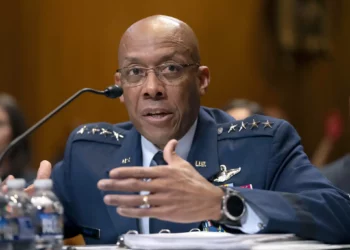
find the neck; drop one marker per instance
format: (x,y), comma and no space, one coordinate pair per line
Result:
(160,146)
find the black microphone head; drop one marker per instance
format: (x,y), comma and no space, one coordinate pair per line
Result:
(113,91)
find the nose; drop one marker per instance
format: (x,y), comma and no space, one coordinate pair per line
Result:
(153,88)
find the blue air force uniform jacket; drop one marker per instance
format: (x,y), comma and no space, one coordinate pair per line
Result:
(290,194)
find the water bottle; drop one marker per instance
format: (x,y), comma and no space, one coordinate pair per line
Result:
(6,236)
(49,217)
(20,215)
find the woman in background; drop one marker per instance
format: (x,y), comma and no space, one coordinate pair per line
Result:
(12,124)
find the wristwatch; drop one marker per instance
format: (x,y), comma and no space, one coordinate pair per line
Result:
(233,208)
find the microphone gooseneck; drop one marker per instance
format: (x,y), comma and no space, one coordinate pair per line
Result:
(113,91)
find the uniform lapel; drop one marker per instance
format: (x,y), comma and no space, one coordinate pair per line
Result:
(129,154)
(204,151)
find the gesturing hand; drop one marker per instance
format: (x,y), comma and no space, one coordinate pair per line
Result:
(178,192)
(44,172)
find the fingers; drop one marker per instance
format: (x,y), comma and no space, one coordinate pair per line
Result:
(4,188)
(44,171)
(136,201)
(129,185)
(137,172)
(30,190)
(169,153)
(153,212)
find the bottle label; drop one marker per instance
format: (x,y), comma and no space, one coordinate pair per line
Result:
(50,225)
(22,228)
(5,230)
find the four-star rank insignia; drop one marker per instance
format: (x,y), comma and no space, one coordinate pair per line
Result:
(233,128)
(241,126)
(100,131)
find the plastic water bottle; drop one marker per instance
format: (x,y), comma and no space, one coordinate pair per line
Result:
(49,217)
(21,214)
(6,236)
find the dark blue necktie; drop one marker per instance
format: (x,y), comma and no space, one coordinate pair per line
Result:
(158,159)
(156,225)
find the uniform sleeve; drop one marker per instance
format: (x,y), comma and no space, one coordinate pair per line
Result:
(299,199)
(61,184)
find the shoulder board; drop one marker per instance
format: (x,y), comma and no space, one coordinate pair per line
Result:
(99,132)
(253,126)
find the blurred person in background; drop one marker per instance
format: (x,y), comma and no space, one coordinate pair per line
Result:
(275,111)
(333,131)
(338,171)
(12,124)
(243,108)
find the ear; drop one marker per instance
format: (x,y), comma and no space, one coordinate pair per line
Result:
(118,82)
(204,79)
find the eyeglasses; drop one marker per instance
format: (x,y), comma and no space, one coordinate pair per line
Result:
(169,73)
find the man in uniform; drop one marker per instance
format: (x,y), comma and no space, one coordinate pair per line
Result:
(177,165)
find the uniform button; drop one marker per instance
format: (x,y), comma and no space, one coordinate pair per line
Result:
(220,130)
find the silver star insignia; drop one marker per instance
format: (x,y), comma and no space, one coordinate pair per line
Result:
(232,128)
(267,124)
(243,126)
(254,124)
(82,130)
(105,132)
(94,130)
(117,135)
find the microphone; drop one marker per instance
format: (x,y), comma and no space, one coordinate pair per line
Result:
(113,91)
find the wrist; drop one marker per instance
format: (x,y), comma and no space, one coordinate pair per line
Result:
(215,213)
(233,208)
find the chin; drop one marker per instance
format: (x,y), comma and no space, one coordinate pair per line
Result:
(158,139)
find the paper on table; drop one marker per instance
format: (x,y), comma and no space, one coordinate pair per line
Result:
(292,245)
(200,240)
(92,247)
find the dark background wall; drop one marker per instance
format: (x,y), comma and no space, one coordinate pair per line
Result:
(50,49)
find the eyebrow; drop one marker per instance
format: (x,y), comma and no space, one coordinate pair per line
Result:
(161,59)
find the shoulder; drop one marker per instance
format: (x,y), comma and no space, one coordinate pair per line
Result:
(253,126)
(101,132)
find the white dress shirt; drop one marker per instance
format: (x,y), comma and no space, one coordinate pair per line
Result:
(251,220)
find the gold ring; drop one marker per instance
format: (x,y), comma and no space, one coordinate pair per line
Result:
(145,201)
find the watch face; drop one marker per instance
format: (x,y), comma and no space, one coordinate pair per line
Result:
(235,206)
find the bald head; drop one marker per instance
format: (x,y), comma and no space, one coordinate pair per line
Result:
(163,104)
(158,29)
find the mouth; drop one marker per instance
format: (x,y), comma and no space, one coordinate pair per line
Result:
(157,117)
